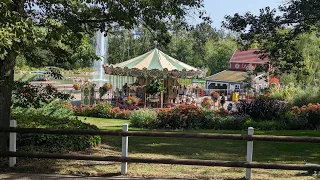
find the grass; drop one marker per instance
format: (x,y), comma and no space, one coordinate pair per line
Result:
(178,148)
(272,152)
(277,152)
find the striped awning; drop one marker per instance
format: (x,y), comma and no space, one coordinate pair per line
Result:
(154,63)
(155,59)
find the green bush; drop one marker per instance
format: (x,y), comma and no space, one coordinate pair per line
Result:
(181,117)
(308,115)
(305,96)
(264,125)
(143,118)
(118,113)
(100,110)
(262,108)
(26,95)
(297,96)
(55,109)
(224,122)
(54,142)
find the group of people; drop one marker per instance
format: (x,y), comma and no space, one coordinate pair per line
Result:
(222,100)
(186,91)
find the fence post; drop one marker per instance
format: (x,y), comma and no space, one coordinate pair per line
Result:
(249,152)
(124,165)
(12,143)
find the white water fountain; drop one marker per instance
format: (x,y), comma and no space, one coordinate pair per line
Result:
(101,46)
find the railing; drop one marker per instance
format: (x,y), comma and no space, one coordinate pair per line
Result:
(12,154)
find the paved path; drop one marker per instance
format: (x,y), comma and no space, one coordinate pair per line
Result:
(24,176)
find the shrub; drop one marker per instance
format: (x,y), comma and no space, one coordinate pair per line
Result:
(107,86)
(215,96)
(26,95)
(297,96)
(308,115)
(222,112)
(55,109)
(305,96)
(76,86)
(181,117)
(201,92)
(100,110)
(143,118)
(206,103)
(54,142)
(262,108)
(223,122)
(117,113)
(132,100)
(264,125)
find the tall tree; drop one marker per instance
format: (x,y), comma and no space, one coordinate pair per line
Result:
(276,32)
(201,46)
(26,24)
(201,34)
(219,52)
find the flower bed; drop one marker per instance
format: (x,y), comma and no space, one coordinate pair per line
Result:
(102,111)
(182,116)
(207,103)
(107,86)
(76,86)
(309,113)
(215,96)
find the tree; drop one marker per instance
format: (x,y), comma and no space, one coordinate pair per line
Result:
(219,52)
(309,46)
(61,25)
(276,34)
(201,34)
(80,57)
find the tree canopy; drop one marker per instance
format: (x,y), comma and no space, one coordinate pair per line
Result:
(276,32)
(61,26)
(198,47)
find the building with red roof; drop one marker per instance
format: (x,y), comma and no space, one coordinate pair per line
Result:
(242,60)
(234,79)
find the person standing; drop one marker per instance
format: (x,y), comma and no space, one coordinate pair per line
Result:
(222,100)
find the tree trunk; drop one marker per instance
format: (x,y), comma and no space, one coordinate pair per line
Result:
(6,84)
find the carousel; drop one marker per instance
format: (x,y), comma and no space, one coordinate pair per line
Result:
(153,79)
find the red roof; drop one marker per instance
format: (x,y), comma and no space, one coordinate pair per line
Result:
(248,56)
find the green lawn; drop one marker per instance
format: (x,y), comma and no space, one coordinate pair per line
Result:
(216,149)
(150,147)
(179,148)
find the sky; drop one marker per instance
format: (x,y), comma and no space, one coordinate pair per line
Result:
(217,9)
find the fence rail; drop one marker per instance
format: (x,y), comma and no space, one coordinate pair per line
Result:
(163,161)
(164,134)
(124,159)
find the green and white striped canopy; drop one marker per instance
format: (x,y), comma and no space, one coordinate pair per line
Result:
(155,59)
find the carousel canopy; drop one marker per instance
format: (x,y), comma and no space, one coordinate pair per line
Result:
(154,63)
(155,59)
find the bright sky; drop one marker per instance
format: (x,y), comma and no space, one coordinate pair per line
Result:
(217,9)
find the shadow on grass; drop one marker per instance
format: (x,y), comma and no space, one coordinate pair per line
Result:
(227,150)
(30,165)
(20,176)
